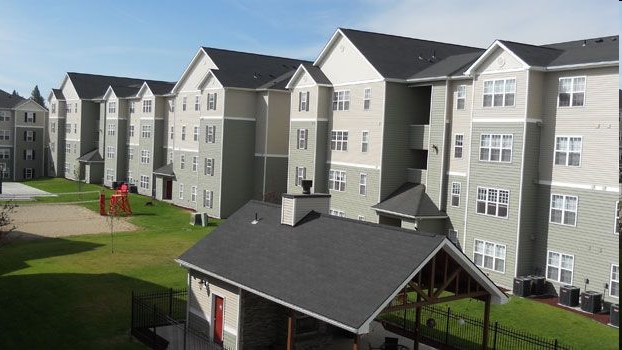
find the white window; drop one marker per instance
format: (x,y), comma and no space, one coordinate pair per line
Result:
(559,267)
(67,108)
(29,136)
(144,181)
(489,255)
(110,152)
(130,153)
(6,116)
(132,107)
(302,136)
(4,170)
(172,132)
(53,109)
(616,227)
(208,198)
(614,283)
(361,218)
(183,132)
(195,163)
(182,161)
(67,167)
(363,184)
(571,92)
(67,147)
(337,180)
(109,174)
(184,103)
(68,128)
(209,166)
(147,106)
(458,145)
(365,141)
(112,107)
(29,173)
(303,101)
(53,126)
(75,128)
(145,156)
(145,131)
(568,150)
(210,134)
(211,102)
(499,92)
(130,179)
(301,173)
(181,191)
(5,135)
(564,209)
(366,99)
(495,148)
(336,212)
(29,154)
(5,153)
(195,133)
(339,140)
(197,103)
(112,129)
(341,100)
(456,187)
(460,96)
(131,130)
(193,194)
(492,201)
(30,117)
(171,105)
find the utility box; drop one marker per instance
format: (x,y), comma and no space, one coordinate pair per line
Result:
(538,285)
(614,315)
(522,286)
(569,295)
(591,301)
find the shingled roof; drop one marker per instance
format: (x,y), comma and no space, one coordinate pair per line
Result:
(92,86)
(400,57)
(8,100)
(410,201)
(251,70)
(332,268)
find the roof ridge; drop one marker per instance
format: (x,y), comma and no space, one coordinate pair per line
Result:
(118,77)
(407,37)
(253,54)
(530,45)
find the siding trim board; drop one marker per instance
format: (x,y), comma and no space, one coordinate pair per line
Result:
(364,166)
(579,186)
(506,120)
(441,203)
(468,178)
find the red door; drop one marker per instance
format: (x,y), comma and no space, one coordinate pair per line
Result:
(218,317)
(168,189)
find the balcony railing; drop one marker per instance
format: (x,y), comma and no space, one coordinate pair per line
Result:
(419,136)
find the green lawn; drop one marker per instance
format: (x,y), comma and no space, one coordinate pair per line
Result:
(74,293)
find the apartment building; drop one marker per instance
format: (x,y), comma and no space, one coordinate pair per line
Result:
(508,149)
(22,137)
(87,112)
(227,132)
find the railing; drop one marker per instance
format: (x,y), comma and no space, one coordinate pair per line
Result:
(453,330)
(419,136)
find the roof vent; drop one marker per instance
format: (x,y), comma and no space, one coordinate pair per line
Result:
(599,40)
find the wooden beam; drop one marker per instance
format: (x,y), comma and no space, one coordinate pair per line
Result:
(435,301)
(419,291)
(448,281)
(291,330)
(431,287)
(355,342)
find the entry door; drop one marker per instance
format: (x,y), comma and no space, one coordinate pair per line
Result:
(168,189)
(218,319)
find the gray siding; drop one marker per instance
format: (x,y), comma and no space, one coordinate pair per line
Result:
(237,165)
(350,201)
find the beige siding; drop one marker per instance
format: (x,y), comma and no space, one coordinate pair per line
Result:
(196,73)
(238,103)
(535,94)
(499,60)
(343,63)
(278,119)
(460,123)
(516,111)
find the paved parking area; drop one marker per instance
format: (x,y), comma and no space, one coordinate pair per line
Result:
(20,191)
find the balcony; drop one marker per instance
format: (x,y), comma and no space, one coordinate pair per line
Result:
(416,176)
(418,136)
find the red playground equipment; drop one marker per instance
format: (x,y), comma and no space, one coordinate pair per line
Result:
(119,203)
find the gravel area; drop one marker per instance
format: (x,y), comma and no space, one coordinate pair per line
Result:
(54,220)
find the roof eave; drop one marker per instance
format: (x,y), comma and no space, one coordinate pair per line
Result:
(582,65)
(413,217)
(489,50)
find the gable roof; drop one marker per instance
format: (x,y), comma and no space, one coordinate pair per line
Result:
(397,57)
(339,270)
(91,157)
(250,70)
(166,171)
(410,201)
(8,100)
(451,66)
(93,86)
(58,93)
(314,72)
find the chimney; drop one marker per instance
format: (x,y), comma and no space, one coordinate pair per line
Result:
(294,207)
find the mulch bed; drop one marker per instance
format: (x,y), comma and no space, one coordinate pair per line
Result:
(602,317)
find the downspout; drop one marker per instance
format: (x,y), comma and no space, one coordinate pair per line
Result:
(468,175)
(265,153)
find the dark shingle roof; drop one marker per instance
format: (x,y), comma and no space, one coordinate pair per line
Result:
(58,93)
(338,268)
(398,57)
(91,86)
(316,73)
(160,87)
(92,156)
(166,170)
(8,100)
(452,65)
(249,70)
(124,91)
(409,200)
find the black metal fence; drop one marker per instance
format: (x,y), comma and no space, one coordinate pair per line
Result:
(454,330)
(159,321)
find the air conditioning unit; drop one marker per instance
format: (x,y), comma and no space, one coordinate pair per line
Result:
(522,286)
(569,295)
(614,315)
(591,301)
(538,285)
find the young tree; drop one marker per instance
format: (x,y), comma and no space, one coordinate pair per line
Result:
(6,222)
(36,95)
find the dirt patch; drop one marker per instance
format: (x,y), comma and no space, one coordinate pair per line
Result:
(54,220)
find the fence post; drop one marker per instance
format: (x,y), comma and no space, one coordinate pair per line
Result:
(170,303)
(132,318)
(154,325)
(447,326)
(555,343)
(494,337)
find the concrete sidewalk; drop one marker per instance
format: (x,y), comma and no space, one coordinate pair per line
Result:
(20,191)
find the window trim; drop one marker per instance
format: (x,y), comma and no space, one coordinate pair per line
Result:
(563,209)
(611,281)
(567,151)
(364,141)
(494,256)
(559,267)
(497,202)
(302,136)
(461,146)
(337,212)
(341,100)
(505,92)
(616,227)
(339,144)
(303,101)
(572,92)
(301,174)
(337,183)
(367,98)
(461,96)
(455,194)
(363,184)
(501,148)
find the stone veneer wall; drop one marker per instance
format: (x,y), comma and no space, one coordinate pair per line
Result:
(264,323)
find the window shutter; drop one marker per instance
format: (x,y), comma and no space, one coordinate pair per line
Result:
(213,166)
(25,117)
(215,95)
(300,101)
(307,107)
(24,154)
(214,130)
(34,134)
(24,173)
(33,154)
(306,136)
(34,117)
(25,135)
